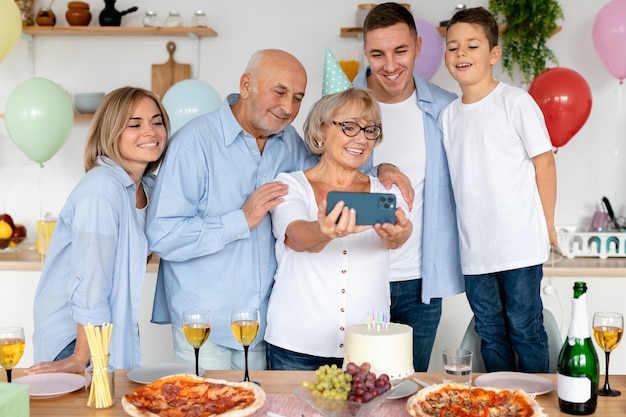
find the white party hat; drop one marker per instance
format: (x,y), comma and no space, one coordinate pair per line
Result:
(335,80)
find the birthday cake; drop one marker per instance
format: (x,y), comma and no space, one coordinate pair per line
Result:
(387,347)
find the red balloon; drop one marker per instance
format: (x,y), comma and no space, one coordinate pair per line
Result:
(565,100)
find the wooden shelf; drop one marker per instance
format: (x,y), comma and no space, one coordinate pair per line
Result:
(116,31)
(354,32)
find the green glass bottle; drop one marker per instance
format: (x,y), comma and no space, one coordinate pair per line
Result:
(578,369)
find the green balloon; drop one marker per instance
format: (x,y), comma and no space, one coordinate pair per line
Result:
(39,117)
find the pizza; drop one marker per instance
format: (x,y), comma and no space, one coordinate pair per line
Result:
(454,400)
(192,396)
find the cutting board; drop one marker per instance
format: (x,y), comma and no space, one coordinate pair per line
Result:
(168,74)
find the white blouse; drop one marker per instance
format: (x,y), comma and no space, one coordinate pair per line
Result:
(317,295)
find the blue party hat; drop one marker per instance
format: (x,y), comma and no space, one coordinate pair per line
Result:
(335,80)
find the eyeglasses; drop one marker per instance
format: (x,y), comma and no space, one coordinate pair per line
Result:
(351,129)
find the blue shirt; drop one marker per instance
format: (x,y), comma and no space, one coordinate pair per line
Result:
(209,256)
(441,265)
(95,267)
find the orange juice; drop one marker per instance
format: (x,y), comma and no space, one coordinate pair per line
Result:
(44,233)
(350,67)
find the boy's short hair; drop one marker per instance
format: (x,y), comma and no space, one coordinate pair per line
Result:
(388,14)
(481,17)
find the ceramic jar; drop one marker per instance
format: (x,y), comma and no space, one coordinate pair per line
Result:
(46,17)
(78,13)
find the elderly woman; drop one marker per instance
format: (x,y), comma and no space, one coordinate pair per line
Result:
(332,273)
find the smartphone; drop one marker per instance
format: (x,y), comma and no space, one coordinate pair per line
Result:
(371,208)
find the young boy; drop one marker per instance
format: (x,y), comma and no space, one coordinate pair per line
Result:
(504,181)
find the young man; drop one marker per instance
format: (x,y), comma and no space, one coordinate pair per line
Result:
(427,267)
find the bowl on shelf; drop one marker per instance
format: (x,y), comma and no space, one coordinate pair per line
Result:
(87,103)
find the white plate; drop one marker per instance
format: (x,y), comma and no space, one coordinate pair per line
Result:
(403,389)
(532,384)
(148,373)
(51,385)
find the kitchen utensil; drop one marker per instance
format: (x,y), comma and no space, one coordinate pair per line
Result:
(167,74)
(110,16)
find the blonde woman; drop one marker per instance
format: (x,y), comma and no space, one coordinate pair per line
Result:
(96,263)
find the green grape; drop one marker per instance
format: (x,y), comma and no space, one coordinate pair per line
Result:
(330,383)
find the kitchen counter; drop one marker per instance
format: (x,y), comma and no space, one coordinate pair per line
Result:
(26,258)
(585,267)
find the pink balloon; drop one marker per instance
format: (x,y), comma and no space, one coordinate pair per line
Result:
(609,37)
(431,55)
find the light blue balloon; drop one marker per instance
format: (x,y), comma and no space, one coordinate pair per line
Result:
(39,117)
(188,99)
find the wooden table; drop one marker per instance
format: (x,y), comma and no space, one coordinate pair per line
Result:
(284,382)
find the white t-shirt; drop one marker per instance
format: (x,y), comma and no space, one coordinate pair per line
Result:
(489,145)
(317,295)
(403,145)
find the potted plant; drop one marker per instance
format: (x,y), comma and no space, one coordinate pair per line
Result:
(528,26)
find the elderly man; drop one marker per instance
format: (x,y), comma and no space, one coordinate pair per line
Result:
(208,220)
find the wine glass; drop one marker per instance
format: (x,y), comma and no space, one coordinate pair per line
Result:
(245,324)
(196,328)
(608,329)
(11,348)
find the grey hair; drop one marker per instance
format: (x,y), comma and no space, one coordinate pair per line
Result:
(323,111)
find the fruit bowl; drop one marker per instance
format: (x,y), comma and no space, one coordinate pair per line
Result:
(329,407)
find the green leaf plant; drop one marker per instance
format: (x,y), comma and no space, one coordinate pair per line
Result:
(528,26)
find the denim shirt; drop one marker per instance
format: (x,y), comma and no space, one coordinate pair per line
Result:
(441,265)
(95,267)
(209,256)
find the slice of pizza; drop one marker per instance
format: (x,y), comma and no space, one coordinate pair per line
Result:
(188,395)
(451,400)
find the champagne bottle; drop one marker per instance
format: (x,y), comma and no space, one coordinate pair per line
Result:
(578,369)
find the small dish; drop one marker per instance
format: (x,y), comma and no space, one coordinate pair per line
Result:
(51,385)
(329,407)
(148,373)
(529,383)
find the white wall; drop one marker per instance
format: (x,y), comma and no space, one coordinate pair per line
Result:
(16,309)
(593,164)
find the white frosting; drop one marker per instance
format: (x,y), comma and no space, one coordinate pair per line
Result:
(388,348)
